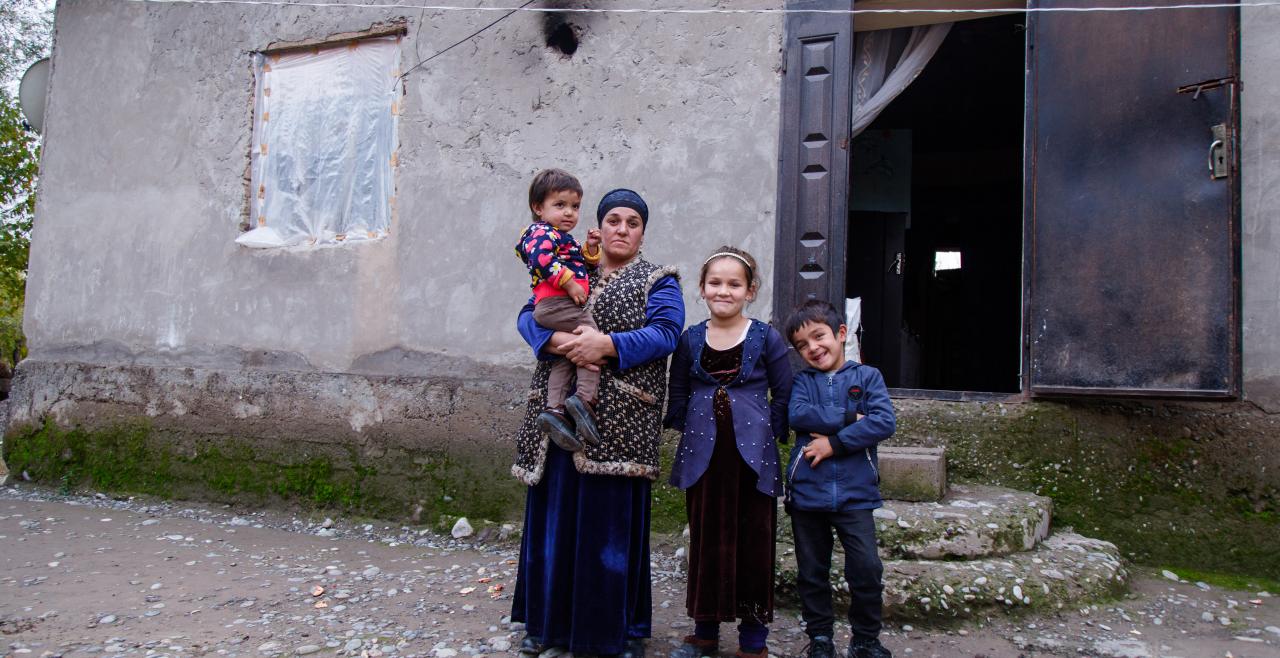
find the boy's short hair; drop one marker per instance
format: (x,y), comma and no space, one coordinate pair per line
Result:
(550,181)
(814,310)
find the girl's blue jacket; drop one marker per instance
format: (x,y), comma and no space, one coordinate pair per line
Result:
(829,404)
(757,421)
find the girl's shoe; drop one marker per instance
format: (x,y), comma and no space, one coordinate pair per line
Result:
(584,416)
(696,647)
(559,428)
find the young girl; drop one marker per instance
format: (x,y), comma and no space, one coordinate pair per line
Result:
(722,375)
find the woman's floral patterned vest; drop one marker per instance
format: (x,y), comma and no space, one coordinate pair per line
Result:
(629,411)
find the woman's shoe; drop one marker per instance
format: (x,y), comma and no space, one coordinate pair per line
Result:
(559,428)
(633,649)
(584,416)
(531,646)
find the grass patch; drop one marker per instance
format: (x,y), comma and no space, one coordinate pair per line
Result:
(1237,582)
(666,508)
(1157,486)
(136,458)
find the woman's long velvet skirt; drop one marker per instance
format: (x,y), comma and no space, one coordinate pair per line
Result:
(583,579)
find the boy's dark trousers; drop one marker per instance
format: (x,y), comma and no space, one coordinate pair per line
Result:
(857,532)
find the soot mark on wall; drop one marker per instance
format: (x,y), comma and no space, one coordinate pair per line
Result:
(561,35)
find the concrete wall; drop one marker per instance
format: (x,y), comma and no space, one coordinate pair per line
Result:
(1260,203)
(387,376)
(143,179)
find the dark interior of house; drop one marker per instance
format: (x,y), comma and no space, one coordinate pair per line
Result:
(936,254)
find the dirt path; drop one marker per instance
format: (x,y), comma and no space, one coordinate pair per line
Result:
(103,577)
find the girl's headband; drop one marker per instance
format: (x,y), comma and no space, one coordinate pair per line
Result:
(751,273)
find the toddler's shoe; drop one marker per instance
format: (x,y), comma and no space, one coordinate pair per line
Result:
(696,647)
(584,415)
(867,648)
(559,428)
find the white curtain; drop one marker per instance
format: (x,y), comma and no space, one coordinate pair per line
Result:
(880,72)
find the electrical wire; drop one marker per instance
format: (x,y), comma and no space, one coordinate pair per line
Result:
(460,41)
(624,10)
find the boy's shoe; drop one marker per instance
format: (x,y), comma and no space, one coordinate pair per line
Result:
(584,415)
(559,428)
(867,648)
(696,647)
(820,646)
(531,646)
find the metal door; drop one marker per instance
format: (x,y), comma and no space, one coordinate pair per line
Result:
(1132,240)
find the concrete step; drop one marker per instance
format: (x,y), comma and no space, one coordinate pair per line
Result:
(914,474)
(970,522)
(1065,570)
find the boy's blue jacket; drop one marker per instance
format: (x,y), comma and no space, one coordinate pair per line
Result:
(829,404)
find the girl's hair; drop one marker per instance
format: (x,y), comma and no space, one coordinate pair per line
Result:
(737,255)
(548,182)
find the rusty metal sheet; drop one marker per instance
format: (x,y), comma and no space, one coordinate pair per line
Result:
(1133,271)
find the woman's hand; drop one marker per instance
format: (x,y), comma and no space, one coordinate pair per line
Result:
(589,347)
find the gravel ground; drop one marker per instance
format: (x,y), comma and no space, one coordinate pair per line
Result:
(92,575)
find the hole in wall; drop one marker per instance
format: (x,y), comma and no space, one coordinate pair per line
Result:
(561,35)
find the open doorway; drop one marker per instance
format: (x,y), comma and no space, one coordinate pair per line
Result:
(935,224)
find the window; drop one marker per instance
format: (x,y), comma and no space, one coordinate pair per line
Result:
(324,144)
(945,260)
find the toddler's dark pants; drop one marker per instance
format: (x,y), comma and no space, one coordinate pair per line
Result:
(857,532)
(561,314)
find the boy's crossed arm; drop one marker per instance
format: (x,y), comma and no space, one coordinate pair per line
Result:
(831,436)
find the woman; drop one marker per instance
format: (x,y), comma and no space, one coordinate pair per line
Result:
(583,581)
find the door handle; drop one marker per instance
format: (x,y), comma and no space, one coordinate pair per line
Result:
(1218,164)
(896,266)
(1215,158)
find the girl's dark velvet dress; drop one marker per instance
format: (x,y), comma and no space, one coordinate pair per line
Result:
(731,523)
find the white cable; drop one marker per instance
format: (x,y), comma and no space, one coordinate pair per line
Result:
(589,10)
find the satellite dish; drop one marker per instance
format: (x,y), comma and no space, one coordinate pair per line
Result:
(32,92)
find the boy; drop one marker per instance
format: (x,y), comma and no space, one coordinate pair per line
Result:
(840,410)
(558,268)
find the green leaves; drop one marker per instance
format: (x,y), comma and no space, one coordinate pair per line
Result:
(19,165)
(26,28)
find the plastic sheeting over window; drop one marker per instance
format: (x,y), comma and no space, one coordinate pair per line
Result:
(324,144)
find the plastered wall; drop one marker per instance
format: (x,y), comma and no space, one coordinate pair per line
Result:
(143,186)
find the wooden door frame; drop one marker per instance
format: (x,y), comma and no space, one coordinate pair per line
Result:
(824,145)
